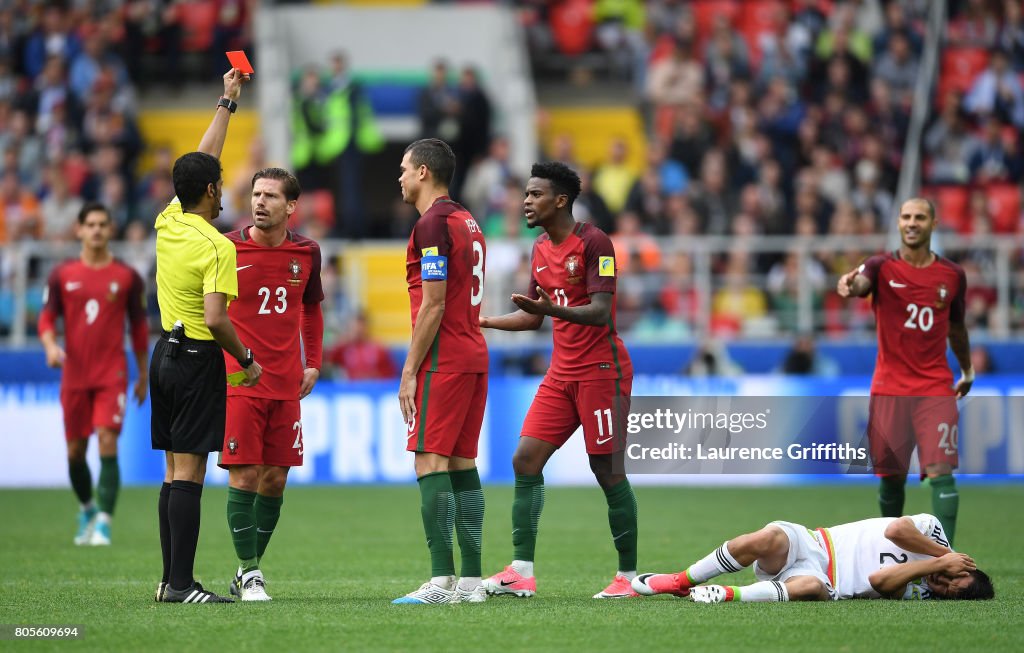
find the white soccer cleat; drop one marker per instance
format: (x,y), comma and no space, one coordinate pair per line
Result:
(708,594)
(86,522)
(476,595)
(100,534)
(428,594)
(254,588)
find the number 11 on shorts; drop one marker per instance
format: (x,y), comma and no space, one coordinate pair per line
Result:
(607,412)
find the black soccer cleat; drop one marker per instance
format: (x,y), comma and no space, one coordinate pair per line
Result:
(193,594)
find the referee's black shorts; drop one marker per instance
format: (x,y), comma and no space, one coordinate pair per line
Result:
(188,396)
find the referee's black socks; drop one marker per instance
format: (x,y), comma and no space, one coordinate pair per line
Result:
(165,530)
(183,517)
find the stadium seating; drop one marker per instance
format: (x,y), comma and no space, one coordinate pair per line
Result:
(756,19)
(198,20)
(960,66)
(1004,203)
(705,12)
(572,26)
(950,204)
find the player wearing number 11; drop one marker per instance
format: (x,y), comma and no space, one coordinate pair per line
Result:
(918,299)
(589,382)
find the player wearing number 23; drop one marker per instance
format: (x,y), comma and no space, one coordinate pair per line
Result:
(279,295)
(918,299)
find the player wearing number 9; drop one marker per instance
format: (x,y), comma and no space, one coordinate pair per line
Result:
(443,389)
(94,294)
(279,295)
(918,300)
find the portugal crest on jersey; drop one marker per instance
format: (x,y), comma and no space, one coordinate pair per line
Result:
(943,293)
(572,268)
(113,291)
(295,268)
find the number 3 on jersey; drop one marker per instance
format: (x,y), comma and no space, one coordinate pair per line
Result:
(476,295)
(279,306)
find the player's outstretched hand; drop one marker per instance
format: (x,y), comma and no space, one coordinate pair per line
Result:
(957,564)
(252,375)
(55,356)
(407,397)
(540,306)
(310,376)
(233,80)
(845,284)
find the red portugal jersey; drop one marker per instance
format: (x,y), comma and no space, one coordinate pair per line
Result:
(274,286)
(913,310)
(447,245)
(94,303)
(582,265)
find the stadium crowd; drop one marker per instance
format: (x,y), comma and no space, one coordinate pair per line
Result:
(777,117)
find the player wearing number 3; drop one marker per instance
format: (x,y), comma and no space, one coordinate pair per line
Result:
(572,280)
(444,381)
(94,294)
(918,299)
(279,295)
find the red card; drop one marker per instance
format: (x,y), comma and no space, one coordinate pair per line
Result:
(240,61)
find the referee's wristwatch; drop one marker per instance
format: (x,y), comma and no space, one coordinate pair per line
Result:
(228,104)
(247,361)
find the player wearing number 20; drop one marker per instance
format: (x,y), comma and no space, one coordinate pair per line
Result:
(444,380)
(94,294)
(573,279)
(918,299)
(279,295)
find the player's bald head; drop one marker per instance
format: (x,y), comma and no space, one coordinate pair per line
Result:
(920,202)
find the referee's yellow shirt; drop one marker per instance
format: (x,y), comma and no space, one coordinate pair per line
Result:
(193,259)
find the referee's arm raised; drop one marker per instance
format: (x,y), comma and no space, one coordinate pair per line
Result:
(215,304)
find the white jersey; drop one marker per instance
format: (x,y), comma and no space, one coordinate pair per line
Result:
(858,549)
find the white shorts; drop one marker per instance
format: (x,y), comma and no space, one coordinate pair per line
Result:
(806,557)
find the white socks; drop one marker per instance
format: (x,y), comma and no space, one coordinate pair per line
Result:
(718,562)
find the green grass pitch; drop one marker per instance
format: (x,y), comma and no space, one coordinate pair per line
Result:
(342,553)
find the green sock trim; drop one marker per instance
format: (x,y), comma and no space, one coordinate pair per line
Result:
(622,519)
(267,510)
(437,508)
(469,519)
(527,506)
(109,484)
(946,503)
(892,494)
(735,593)
(81,481)
(242,525)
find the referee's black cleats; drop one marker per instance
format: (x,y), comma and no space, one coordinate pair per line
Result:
(193,594)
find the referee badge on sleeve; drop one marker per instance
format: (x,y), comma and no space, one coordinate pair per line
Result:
(606,266)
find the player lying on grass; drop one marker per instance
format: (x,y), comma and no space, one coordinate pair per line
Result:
(887,557)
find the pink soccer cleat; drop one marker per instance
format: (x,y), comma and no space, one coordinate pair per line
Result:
(651,584)
(510,581)
(620,588)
